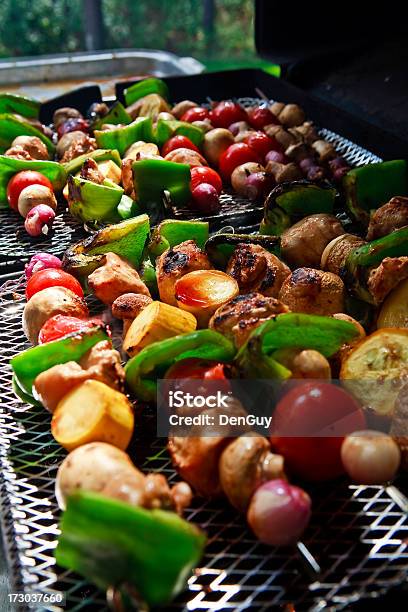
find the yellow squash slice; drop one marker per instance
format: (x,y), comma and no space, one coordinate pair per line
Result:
(157,321)
(394,311)
(93,412)
(375,369)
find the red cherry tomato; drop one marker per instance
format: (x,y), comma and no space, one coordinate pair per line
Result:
(23,179)
(187,372)
(260,143)
(309,425)
(227,112)
(260,116)
(196,368)
(178,142)
(204,174)
(62,325)
(52,277)
(197,113)
(237,154)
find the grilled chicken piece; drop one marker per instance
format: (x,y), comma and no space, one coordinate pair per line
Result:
(103,363)
(240,316)
(127,177)
(313,292)
(18,152)
(91,172)
(114,278)
(78,146)
(388,218)
(175,263)
(196,455)
(255,269)
(390,272)
(100,363)
(33,145)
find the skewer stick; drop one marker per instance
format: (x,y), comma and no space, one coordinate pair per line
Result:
(262,94)
(311,565)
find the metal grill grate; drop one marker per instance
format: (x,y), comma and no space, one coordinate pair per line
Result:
(357,533)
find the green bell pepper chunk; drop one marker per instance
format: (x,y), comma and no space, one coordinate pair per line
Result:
(128,208)
(275,222)
(172,232)
(256,359)
(100,155)
(88,201)
(9,166)
(301,198)
(143,370)
(122,137)
(369,187)
(361,260)
(31,362)
(154,176)
(117,115)
(13,103)
(165,129)
(127,239)
(147,274)
(220,247)
(112,543)
(144,88)
(11,127)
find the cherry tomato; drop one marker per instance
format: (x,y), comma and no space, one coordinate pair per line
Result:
(178,142)
(260,143)
(227,112)
(23,179)
(197,113)
(309,425)
(196,368)
(184,375)
(260,116)
(237,154)
(204,174)
(61,325)
(52,277)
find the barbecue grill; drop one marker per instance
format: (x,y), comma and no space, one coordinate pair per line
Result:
(355,545)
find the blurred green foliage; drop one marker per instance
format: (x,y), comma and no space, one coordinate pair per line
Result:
(32,27)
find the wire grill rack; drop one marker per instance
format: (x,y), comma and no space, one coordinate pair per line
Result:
(357,534)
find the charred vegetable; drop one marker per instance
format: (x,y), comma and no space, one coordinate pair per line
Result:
(143,370)
(127,239)
(88,201)
(256,358)
(12,126)
(30,363)
(172,232)
(220,247)
(153,551)
(100,155)
(369,187)
(291,201)
(361,261)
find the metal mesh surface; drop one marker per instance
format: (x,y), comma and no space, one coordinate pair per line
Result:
(357,534)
